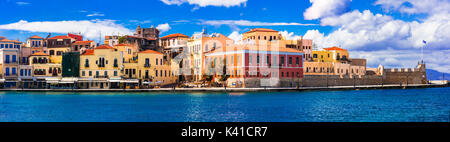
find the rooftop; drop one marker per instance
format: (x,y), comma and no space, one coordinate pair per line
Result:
(150,52)
(334,48)
(36,37)
(60,37)
(88,52)
(261,30)
(104,47)
(174,36)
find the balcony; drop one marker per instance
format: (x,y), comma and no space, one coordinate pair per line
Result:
(147,65)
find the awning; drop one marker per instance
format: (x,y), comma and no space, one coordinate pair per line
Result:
(52,80)
(130,81)
(116,79)
(2,80)
(68,80)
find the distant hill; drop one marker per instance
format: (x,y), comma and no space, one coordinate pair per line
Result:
(436,75)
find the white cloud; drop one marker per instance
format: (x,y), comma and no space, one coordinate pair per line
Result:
(163,27)
(249,23)
(90,29)
(382,35)
(21,3)
(415,6)
(95,14)
(325,8)
(236,36)
(140,22)
(205,3)
(290,35)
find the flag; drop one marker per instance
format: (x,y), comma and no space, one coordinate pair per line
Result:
(425,42)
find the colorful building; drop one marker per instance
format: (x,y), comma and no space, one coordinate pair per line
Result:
(101,67)
(253,66)
(153,70)
(201,43)
(9,53)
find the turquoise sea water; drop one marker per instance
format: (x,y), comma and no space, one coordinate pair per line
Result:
(392,105)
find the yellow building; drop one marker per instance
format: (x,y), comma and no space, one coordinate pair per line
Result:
(42,67)
(332,54)
(129,52)
(100,65)
(262,34)
(56,54)
(152,70)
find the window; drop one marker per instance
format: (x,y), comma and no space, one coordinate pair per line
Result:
(106,73)
(7,71)
(268,59)
(290,60)
(14,58)
(116,64)
(97,73)
(250,59)
(7,59)
(52,52)
(156,73)
(297,61)
(90,73)
(21,72)
(156,61)
(314,55)
(83,73)
(147,62)
(86,63)
(257,59)
(115,73)
(282,60)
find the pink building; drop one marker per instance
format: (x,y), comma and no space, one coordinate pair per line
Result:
(251,66)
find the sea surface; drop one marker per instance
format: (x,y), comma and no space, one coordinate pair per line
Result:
(390,105)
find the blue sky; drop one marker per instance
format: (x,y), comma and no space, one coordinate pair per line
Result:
(388,32)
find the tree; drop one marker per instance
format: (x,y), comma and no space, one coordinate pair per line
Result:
(122,39)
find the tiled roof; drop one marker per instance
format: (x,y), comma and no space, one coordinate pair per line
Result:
(335,48)
(104,47)
(175,35)
(36,37)
(88,52)
(82,42)
(122,45)
(39,54)
(60,37)
(150,52)
(261,30)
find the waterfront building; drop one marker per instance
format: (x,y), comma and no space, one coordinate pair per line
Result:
(335,61)
(58,45)
(250,65)
(176,50)
(201,43)
(100,67)
(153,70)
(71,64)
(129,52)
(25,77)
(173,44)
(9,53)
(80,46)
(44,72)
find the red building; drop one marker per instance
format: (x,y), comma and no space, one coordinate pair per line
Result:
(253,66)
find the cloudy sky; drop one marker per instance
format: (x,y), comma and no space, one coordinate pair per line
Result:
(388,32)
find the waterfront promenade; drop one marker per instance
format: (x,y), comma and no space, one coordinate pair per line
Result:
(217,89)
